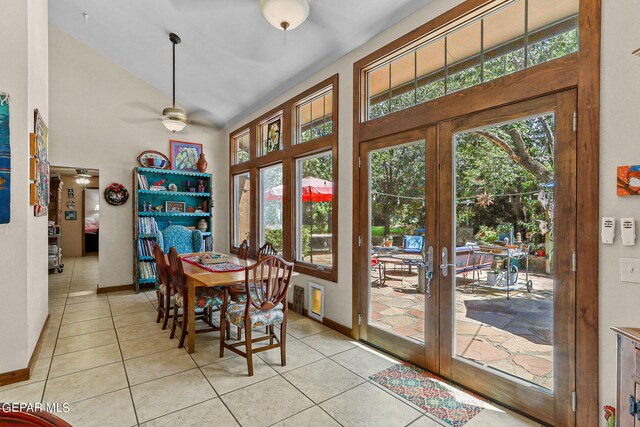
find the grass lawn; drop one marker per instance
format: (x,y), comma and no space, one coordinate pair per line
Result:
(378,231)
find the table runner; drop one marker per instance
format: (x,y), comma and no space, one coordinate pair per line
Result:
(214,268)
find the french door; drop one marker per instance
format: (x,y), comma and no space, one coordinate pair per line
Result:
(492,198)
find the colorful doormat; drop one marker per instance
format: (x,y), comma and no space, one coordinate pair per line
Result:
(223,267)
(431,393)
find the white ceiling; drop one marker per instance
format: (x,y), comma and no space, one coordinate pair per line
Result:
(231,60)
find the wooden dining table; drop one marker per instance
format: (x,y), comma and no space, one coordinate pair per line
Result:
(200,277)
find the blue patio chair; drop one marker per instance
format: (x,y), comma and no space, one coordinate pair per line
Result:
(413,244)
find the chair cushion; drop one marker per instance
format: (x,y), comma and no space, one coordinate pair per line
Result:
(235,315)
(205,297)
(163,288)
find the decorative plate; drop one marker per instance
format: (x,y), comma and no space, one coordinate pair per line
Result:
(154,159)
(116,194)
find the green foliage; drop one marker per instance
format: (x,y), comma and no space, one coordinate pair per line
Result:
(317,130)
(487,234)
(274,236)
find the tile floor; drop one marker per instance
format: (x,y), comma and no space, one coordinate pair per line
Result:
(106,356)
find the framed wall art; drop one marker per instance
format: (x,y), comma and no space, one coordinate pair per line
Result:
(70,215)
(628,180)
(5,161)
(185,155)
(41,181)
(176,207)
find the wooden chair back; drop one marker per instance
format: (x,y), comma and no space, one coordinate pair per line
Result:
(243,250)
(266,250)
(271,276)
(162,275)
(178,281)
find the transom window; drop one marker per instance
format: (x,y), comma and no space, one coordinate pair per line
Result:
(314,117)
(515,36)
(271,135)
(241,147)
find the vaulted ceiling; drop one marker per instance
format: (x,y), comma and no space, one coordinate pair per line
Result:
(230,60)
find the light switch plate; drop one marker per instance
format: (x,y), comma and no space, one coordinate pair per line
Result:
(630,270)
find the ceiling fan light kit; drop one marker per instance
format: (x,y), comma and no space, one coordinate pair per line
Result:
(285,15)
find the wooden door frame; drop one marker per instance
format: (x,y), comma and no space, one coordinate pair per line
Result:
(581,70)
(84,203)
(428,356)
(556,408)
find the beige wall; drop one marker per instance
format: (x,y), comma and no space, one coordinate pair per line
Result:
(23,242)
(95,124)
(619,146)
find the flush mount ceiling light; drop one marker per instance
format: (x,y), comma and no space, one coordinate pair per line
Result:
(82,177)
(174,119)
(285,14)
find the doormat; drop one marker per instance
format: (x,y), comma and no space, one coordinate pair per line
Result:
(433,394)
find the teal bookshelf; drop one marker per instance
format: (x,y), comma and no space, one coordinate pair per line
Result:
(194,189)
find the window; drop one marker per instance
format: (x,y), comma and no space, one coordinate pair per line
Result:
(521,34)
(314,210)
(241,208)
(271,135)
(241,147)
(271,206)
(290,150)
(314,117)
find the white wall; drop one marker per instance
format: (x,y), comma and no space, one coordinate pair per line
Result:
(620,103)
(98,120)
(23,242)
(619,146)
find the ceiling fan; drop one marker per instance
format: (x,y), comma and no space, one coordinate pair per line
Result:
(173,118)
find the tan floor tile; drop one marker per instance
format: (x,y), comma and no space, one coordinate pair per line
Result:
(87,305)
(86,384)
(39,373)
(298,354)
(87,298)
(46,349)
(81,316)
(231,374)
(135,318)
(157,365)
(368,405)
(499,418)
(86,327)
(84,359)
(261,405)
(169,394)
(208,349)
(140,331)
(86,341)
(147,345)
(323,380)
(425,421)
(194,416)
(329,343)
(30,393)
(305,327)
(113,409)
(364,361)
(132,308)
(312,417)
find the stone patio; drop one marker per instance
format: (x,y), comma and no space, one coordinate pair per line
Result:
(513,336)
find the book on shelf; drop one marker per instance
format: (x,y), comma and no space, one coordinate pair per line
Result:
(145,247)
(147,270)
(147,225)
(158,188)
(208,244)
(142,182)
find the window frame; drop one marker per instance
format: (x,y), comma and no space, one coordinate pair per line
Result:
(234,145)
(296,115)
(287,156)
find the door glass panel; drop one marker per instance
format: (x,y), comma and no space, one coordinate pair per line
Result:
(504,272)
(397,218)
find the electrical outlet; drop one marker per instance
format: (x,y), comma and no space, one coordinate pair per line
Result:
(630,270)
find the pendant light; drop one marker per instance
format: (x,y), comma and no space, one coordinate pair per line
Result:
(285,14)
(174,119)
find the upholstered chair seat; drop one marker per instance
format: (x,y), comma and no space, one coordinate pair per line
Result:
(236,315)
(205,297)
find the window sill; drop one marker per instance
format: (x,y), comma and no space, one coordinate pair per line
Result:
(329,274)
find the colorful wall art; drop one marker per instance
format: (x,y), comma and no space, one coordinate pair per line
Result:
(185,155)
(629,180)
(41,187)
(5,161)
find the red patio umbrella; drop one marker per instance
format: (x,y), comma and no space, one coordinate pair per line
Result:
(314,190)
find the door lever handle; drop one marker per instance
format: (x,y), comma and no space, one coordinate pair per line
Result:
(444,259)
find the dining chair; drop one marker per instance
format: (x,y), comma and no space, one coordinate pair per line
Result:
(163,288)
(243,250)
(266,250)
(266,285)
(206,300)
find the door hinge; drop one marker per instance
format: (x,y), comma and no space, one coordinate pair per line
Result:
(574,401)
(359,241)
(359,162)
(359,319)
(574,262)
(575,121)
